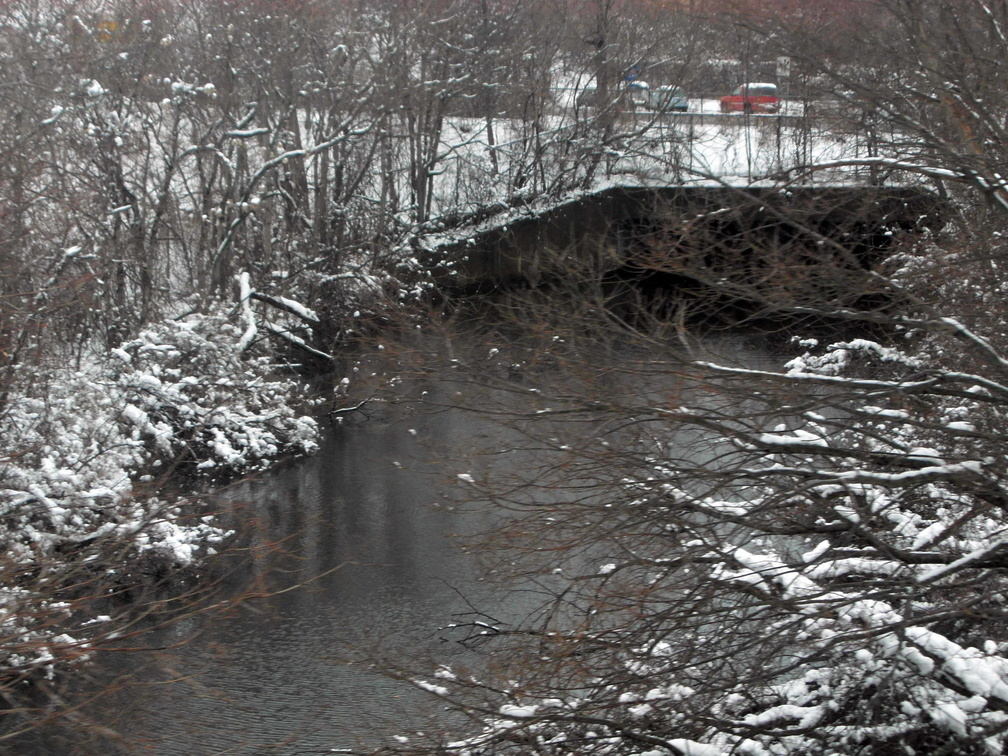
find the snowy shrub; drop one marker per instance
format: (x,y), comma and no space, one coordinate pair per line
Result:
(188,392)
(82,448)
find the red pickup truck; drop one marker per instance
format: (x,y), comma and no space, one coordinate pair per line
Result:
(752,98)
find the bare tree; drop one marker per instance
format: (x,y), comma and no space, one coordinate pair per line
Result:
(799,551)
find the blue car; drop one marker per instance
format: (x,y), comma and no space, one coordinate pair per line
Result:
(664,99)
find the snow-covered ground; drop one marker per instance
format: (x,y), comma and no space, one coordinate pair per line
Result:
(644,149)
(584,153)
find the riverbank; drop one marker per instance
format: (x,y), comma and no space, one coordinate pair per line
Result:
(91,449)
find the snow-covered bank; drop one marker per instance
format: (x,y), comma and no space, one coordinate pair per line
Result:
(84,452)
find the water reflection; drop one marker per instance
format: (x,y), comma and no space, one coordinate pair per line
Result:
(280,676)
(287,675)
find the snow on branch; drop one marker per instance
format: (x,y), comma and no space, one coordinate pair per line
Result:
(979,557)
(287,305)
(246,133)
(250,331)
(979,673)
(295,340)
(881,162)
(247,293)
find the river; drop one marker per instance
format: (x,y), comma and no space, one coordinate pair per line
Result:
(287,674)
(364,550)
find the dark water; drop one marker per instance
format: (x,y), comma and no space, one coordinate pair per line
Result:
(378,552)
(290,674)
